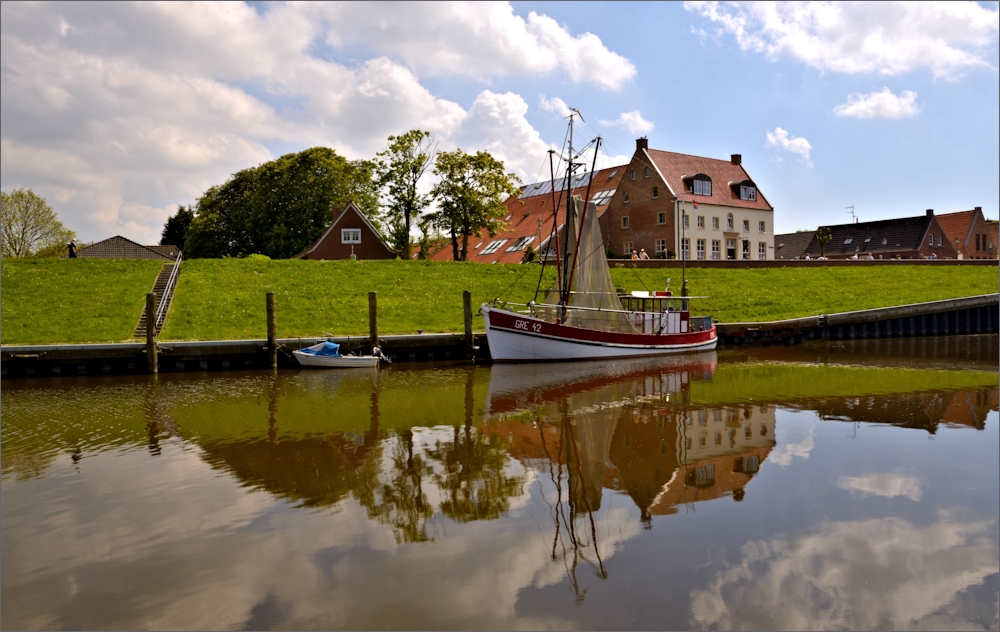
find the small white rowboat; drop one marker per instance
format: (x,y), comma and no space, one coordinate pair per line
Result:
(326,355)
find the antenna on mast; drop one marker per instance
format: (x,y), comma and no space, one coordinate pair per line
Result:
(850,209)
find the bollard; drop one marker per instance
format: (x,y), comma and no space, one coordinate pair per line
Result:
(151,360)
(272,336)
(373,318)
(467,307)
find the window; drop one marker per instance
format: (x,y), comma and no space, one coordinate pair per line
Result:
(939,240)
(748,192)
(627,249)
(625,222)
(685,248)
(730,249)
(493,246)
(625,197)
(684,217)
(762,251)
(977,241)
(746,226)
(656,192)
(602,197)
(715,223)
(645,172)
(701,249)
(715,249)
(661,245)
(350,235)
(632,174)
(746,249)
(521,244)
(661,218)
(760,227)
(729,221)
(848,241)
(930,238)
(703,187)
(701,221)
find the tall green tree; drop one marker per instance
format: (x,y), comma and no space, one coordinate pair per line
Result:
(280,207)
(471,196)
(401,166)
(29,227)
(175,230)
(823,237)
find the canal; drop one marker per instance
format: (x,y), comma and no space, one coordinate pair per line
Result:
(849,484)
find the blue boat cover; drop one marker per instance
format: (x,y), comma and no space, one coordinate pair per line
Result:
(323,349)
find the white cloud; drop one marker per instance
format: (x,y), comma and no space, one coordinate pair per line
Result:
(885,37)
(479,40)
(555,104)
(794,144)
(860,575)
(121,111)
(882,104)
(796,441)
(632,121)
(886,484)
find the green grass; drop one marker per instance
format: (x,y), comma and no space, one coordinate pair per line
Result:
(48,301)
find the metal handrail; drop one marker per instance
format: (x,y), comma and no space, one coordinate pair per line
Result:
(161,312)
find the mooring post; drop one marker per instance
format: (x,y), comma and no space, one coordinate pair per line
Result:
(467,307)
(272,335)
(373,318)
(151,360)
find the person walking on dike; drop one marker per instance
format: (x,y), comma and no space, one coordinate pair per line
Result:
(642,254)
(72,248)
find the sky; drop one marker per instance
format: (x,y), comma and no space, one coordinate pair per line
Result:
(118,112)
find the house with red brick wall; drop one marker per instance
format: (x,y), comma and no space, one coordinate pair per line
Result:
(350,233)
(530,220)
(920,237)
(669,202)
(969,232)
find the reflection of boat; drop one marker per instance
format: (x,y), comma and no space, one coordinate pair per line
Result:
(584,317)
(327,355)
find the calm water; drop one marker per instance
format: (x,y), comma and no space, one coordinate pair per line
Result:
(850,485)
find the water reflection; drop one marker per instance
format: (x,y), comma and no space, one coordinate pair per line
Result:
(550,494)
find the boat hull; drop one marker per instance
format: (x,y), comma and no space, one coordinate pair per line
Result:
(518,338)
(335,362)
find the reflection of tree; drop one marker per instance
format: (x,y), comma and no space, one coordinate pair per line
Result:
(398,500)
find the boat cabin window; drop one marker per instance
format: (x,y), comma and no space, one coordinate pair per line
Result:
(350,235)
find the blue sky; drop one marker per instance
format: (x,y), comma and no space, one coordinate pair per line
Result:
(116,113)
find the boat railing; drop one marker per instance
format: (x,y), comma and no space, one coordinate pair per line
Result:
(531,307)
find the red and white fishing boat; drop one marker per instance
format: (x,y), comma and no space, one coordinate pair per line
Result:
(584,317)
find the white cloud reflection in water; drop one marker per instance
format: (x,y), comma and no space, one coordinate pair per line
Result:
(882,573)
(887,484)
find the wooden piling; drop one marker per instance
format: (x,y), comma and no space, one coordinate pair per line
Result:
(272,332)
(151,360)
(467,307)
(373,318)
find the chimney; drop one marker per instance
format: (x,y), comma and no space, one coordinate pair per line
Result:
(641,143)
(978,208)
(736,159)
(930,212)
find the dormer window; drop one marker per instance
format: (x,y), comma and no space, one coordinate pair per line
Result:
(699,184)
(746,189)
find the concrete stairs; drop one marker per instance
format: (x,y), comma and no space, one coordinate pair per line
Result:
(163,293)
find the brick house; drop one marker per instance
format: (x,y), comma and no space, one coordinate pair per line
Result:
(529,217)
(920,237)
(727,216)
(969,232)
(350,233)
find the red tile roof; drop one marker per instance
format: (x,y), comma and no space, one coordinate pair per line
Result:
(957,225)
(523,218)
(119,247)
(673,166)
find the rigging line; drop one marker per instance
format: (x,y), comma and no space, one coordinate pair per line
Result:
(527,269)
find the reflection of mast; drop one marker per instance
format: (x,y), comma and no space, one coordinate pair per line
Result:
(272,410)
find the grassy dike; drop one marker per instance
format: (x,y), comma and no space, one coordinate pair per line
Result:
(52,301)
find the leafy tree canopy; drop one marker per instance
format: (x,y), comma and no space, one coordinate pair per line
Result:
(471,196)
(401,166)
(280,207)
(175,230)
(29,227)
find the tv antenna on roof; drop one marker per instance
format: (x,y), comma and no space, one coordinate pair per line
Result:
(851,211)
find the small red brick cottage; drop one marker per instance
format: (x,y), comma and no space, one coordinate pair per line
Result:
(350,233)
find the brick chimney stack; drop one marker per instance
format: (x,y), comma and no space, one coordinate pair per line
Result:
(641,143)
(930,212)
(978,208)
(736,159)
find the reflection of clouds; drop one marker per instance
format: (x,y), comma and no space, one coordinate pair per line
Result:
(883,573)
(794,441)
(888,484)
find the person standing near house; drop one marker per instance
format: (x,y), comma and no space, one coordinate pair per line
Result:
(642,254)
(71,246)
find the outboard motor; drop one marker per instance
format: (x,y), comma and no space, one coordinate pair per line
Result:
(381,356)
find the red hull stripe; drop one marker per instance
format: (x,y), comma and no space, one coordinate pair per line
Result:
(529,326)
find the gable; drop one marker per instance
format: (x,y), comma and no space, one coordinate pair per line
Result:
(350,218)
